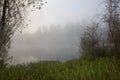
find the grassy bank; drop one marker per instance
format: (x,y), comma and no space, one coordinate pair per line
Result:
(80,69)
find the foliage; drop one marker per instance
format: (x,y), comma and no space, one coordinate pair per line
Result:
(83,69)
(112,19)
(12,14)
(94,45)
(90,41)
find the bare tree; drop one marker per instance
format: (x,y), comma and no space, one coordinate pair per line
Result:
(112,19)
(89,42)
(12,14)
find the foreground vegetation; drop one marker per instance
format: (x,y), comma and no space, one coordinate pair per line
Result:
(105,68)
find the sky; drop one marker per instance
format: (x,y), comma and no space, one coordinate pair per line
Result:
(63,12)
(53,33)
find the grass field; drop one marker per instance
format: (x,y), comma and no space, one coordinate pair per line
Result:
(79,69)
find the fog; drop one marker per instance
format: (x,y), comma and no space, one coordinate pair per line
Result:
(56,43)
(44,39)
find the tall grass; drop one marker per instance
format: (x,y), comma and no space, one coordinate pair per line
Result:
(79,69)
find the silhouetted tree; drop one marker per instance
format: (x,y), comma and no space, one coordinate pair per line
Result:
(12,14)
(112,19)
(89,43)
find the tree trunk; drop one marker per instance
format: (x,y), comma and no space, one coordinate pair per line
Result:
(4,12)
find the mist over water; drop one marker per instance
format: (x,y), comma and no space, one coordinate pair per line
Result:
(56,43)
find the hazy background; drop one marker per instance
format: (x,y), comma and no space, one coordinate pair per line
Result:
(54,32)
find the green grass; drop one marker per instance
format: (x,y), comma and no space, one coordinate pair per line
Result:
(79,69)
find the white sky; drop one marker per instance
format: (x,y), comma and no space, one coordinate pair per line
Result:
(63,12)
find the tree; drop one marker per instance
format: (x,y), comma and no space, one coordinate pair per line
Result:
(89,43)
(12,14)
(112,19)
